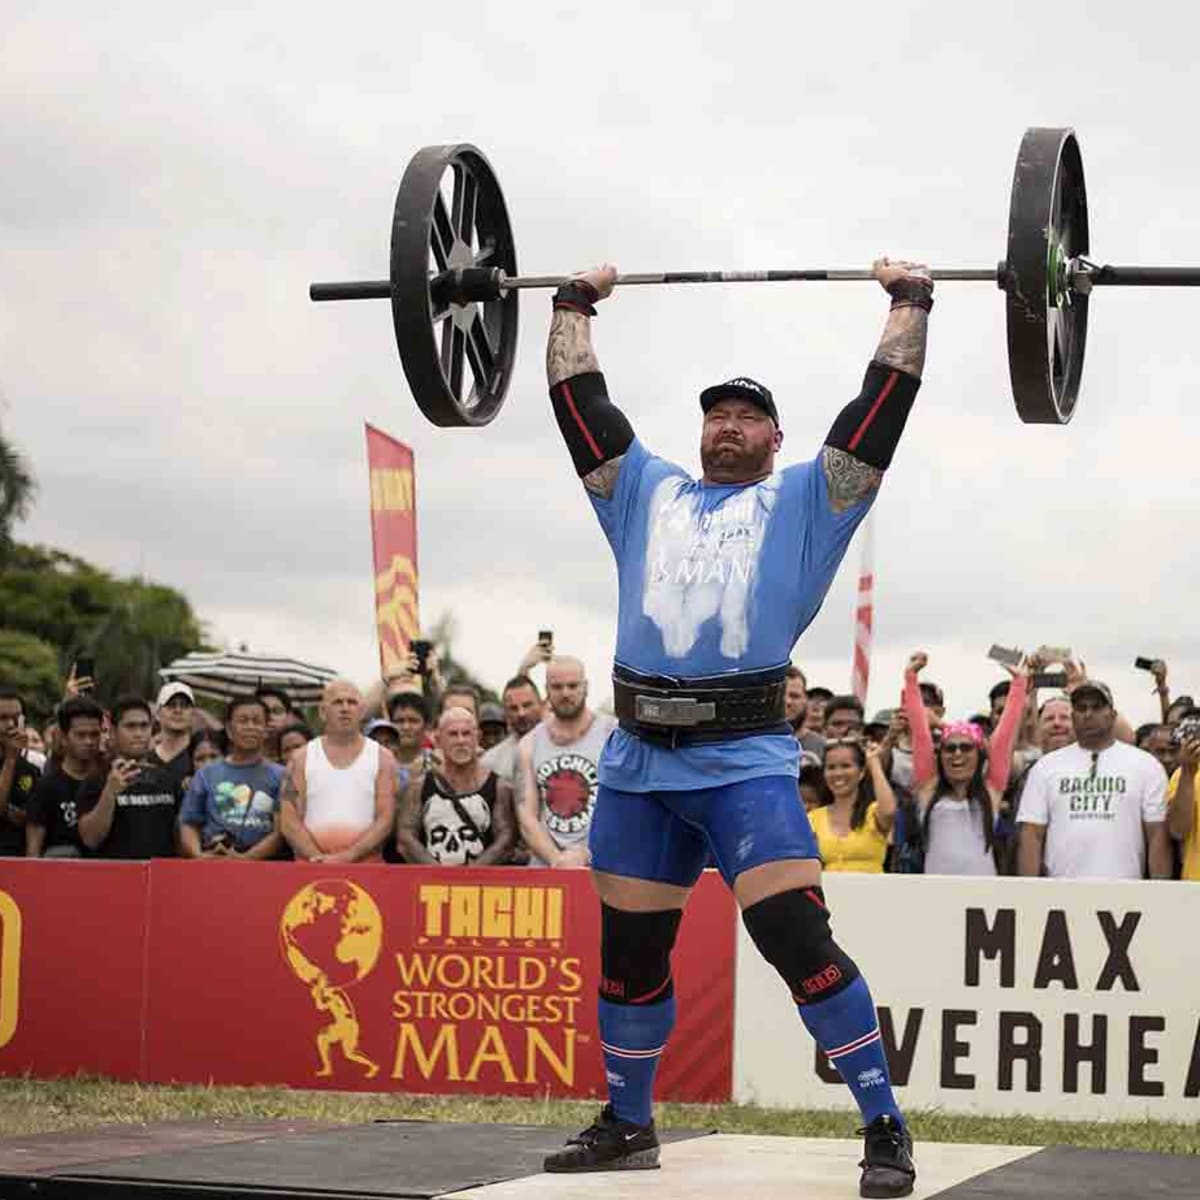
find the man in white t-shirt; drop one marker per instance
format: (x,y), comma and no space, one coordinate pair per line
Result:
(1095,809)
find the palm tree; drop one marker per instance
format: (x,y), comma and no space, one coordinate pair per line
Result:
(16,490)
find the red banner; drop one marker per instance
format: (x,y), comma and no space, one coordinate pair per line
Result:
(72,967)
(394,542)
(367,978)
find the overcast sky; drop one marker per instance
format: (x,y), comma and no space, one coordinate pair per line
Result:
(175,175)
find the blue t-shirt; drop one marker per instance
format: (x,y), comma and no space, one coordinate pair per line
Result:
(237,800)
(715,579)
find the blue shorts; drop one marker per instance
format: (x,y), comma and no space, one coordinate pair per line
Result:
(669,836)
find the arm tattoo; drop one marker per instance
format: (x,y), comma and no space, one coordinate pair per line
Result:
(602,481)
(849,480)
(287,789)
(903,343)
(569,349)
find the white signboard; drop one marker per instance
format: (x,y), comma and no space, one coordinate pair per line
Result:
(1074,1000)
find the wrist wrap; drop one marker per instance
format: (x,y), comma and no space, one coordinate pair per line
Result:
(578,296)
(912,292)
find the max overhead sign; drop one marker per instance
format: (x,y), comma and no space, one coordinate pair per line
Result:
(1033,996)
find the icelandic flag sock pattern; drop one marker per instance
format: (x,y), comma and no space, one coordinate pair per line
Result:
(846,1028)
(633,1037)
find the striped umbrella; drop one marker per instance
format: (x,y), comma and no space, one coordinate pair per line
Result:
(233,673)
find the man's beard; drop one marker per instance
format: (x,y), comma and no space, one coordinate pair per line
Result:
(523,725)
(568,712)
(743,464)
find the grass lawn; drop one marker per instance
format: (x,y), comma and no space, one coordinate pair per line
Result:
(34,1106)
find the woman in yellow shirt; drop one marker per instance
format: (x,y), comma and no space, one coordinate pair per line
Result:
(853,823)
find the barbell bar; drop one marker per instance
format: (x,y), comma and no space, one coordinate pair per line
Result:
(454,283)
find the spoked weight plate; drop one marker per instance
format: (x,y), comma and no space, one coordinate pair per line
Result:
(450,213)
(1047,318)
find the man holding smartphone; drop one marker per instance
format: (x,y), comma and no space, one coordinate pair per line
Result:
(18,776)
(131,813)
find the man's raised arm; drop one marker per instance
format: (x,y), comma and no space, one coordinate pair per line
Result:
(864,437)
(595,430)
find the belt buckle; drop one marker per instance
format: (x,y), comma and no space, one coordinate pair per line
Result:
(674,711)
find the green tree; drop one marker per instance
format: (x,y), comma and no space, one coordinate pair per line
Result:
(130,626)
(16,491)
(31,666)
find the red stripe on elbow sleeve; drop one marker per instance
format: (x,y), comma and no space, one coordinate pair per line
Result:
(884,392)
(587,433)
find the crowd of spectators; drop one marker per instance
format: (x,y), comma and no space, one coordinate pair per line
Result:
(1053,784)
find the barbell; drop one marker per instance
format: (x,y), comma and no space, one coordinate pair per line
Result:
(454,284)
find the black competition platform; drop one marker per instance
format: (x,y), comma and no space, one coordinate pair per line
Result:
(426,1160)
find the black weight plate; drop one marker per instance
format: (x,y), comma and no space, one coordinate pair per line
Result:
(1047,318)
(450,212)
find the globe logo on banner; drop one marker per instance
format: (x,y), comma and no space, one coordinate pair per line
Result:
(332,933)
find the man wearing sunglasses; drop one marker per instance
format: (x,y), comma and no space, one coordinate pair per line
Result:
(718,578)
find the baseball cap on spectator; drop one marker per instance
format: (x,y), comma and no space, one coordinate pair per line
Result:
(491,713)
(1093,687)
(880,721)
(169,691)
(379,723)
(741,388)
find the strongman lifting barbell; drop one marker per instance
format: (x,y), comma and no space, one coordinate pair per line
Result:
(454,269)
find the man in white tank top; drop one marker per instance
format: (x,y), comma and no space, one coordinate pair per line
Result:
(337,803)
(559,770)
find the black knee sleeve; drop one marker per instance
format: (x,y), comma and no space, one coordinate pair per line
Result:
(635,954)
(791,931)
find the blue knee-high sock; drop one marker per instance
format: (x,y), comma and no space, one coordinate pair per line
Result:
(846,1028)
(632,1037)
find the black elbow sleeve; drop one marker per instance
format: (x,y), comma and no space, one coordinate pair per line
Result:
(869,427)
(594,428)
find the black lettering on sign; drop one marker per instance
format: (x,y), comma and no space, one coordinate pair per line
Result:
(1056,962)
(953,1049)
(1094,1053)
(984,941)
(1028,1049)
(1142,1056)
(1117,965)
(1191,1088)
(900,1058)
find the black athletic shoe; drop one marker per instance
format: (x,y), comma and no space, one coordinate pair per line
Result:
(608,1144)
(887,1165)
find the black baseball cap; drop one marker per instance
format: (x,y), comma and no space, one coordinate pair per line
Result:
(741,388)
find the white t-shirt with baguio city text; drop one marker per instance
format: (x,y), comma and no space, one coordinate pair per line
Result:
(1093,804)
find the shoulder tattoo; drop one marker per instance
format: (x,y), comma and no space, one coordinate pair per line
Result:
(602,481)
(848,479)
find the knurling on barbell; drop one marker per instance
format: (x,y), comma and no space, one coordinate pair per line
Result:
(454,284)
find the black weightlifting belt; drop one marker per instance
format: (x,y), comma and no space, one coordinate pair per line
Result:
(715,708)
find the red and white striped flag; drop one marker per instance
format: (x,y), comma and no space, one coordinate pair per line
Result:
(864,612)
